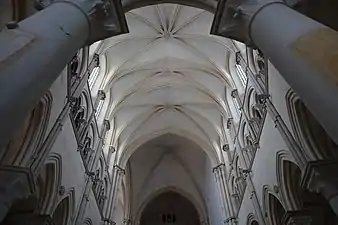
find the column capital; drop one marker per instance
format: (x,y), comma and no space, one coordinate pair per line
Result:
(106,18)
(106,124)
(96,59)
(229,122)
(119,169)
(216,168)
(234,93)
(101,95)
(225,147)
(233,18)
(229,219)
(108,221)
(112,149)
(321,177)
(262,97)
(127,221)
(297,218)
(16,183)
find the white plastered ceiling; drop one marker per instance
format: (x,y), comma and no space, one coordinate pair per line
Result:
(168,75)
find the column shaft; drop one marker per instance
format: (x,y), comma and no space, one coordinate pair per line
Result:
(224,208)
(32,57)
(305,53)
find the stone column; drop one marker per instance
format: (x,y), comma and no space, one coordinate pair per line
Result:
(36,50)
(234,95)
(303,50)
(224,203)
(106,127)
(84,199)
(232,219)
(101,95)
(255,200)
(119,173)
(286,134)
(321,177)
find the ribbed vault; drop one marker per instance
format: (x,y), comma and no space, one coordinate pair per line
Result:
(168,75)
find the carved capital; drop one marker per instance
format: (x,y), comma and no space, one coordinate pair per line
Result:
(229,122)
(108,221)
(112,149)
(96,59)
(106,124)
(106,18)
(16,183)
(226,147)
(297,218)
(233,17)
(262,98)
(229,219)
(127,221)
(101,95)
(234,93)
(218,167)
(321,177)
(119,170)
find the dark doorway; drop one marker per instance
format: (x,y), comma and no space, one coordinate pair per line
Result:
(170,208)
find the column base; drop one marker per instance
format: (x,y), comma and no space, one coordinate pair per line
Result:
(15,183)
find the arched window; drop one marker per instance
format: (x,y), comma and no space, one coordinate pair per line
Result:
(86,150)
(93,76)
(79,118)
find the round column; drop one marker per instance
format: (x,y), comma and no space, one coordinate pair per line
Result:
(305,53)
(32,57)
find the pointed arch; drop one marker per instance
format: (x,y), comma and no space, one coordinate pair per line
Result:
(273,207)
(25,144)
(127,151)
(288,179)
(88,221)
(202,212)
(315,142)
(251,219)
(49,183)
(64,210)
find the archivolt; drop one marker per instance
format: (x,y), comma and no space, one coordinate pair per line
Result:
(50,182)
(24,147)
(313,138)
(288,179)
